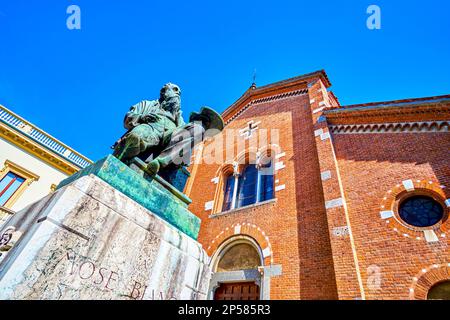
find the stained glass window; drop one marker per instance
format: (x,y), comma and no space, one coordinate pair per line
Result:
(421,211)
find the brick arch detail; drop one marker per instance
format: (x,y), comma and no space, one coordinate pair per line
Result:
(427,278)
(249,152)
(244,229)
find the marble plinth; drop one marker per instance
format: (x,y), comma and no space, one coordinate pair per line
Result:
(88,240)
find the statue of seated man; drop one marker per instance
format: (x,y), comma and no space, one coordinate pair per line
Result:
(158,135)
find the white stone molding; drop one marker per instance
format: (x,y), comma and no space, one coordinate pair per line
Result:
(325,136)
(408,184)
(386,214)
(339,202)
(318,132)
(430,236)
(326,175)
(209,205)
(215,180)
(279,165)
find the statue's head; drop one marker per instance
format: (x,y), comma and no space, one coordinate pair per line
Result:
(170,98)
(169,91)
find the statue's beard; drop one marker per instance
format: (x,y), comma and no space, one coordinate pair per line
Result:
(171,104)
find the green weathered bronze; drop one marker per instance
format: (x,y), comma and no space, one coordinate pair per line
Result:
(158,135)
(149,161)
(153,193)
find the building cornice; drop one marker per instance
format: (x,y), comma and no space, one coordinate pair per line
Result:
(33,140)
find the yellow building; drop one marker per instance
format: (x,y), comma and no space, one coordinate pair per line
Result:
(32,163)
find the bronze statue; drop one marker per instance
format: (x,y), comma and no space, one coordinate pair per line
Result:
(158,135)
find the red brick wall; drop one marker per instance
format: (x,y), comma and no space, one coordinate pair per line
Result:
(348,282)
(367,171)
(295,224)
(370,166)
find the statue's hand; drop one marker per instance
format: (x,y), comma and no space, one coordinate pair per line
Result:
(150,118)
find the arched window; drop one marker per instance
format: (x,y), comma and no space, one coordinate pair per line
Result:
(440,291)
(255,184)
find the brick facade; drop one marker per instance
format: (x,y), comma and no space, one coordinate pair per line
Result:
(337,168)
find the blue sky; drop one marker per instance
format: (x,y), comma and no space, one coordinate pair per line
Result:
(77,84)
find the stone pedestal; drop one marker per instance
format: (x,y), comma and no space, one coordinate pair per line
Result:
(90,241)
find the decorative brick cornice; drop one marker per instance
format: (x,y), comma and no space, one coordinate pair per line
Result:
(409,110)
(395,127)
(277,90)
(267,99)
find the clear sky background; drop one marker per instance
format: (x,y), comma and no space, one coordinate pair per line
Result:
(78,84)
